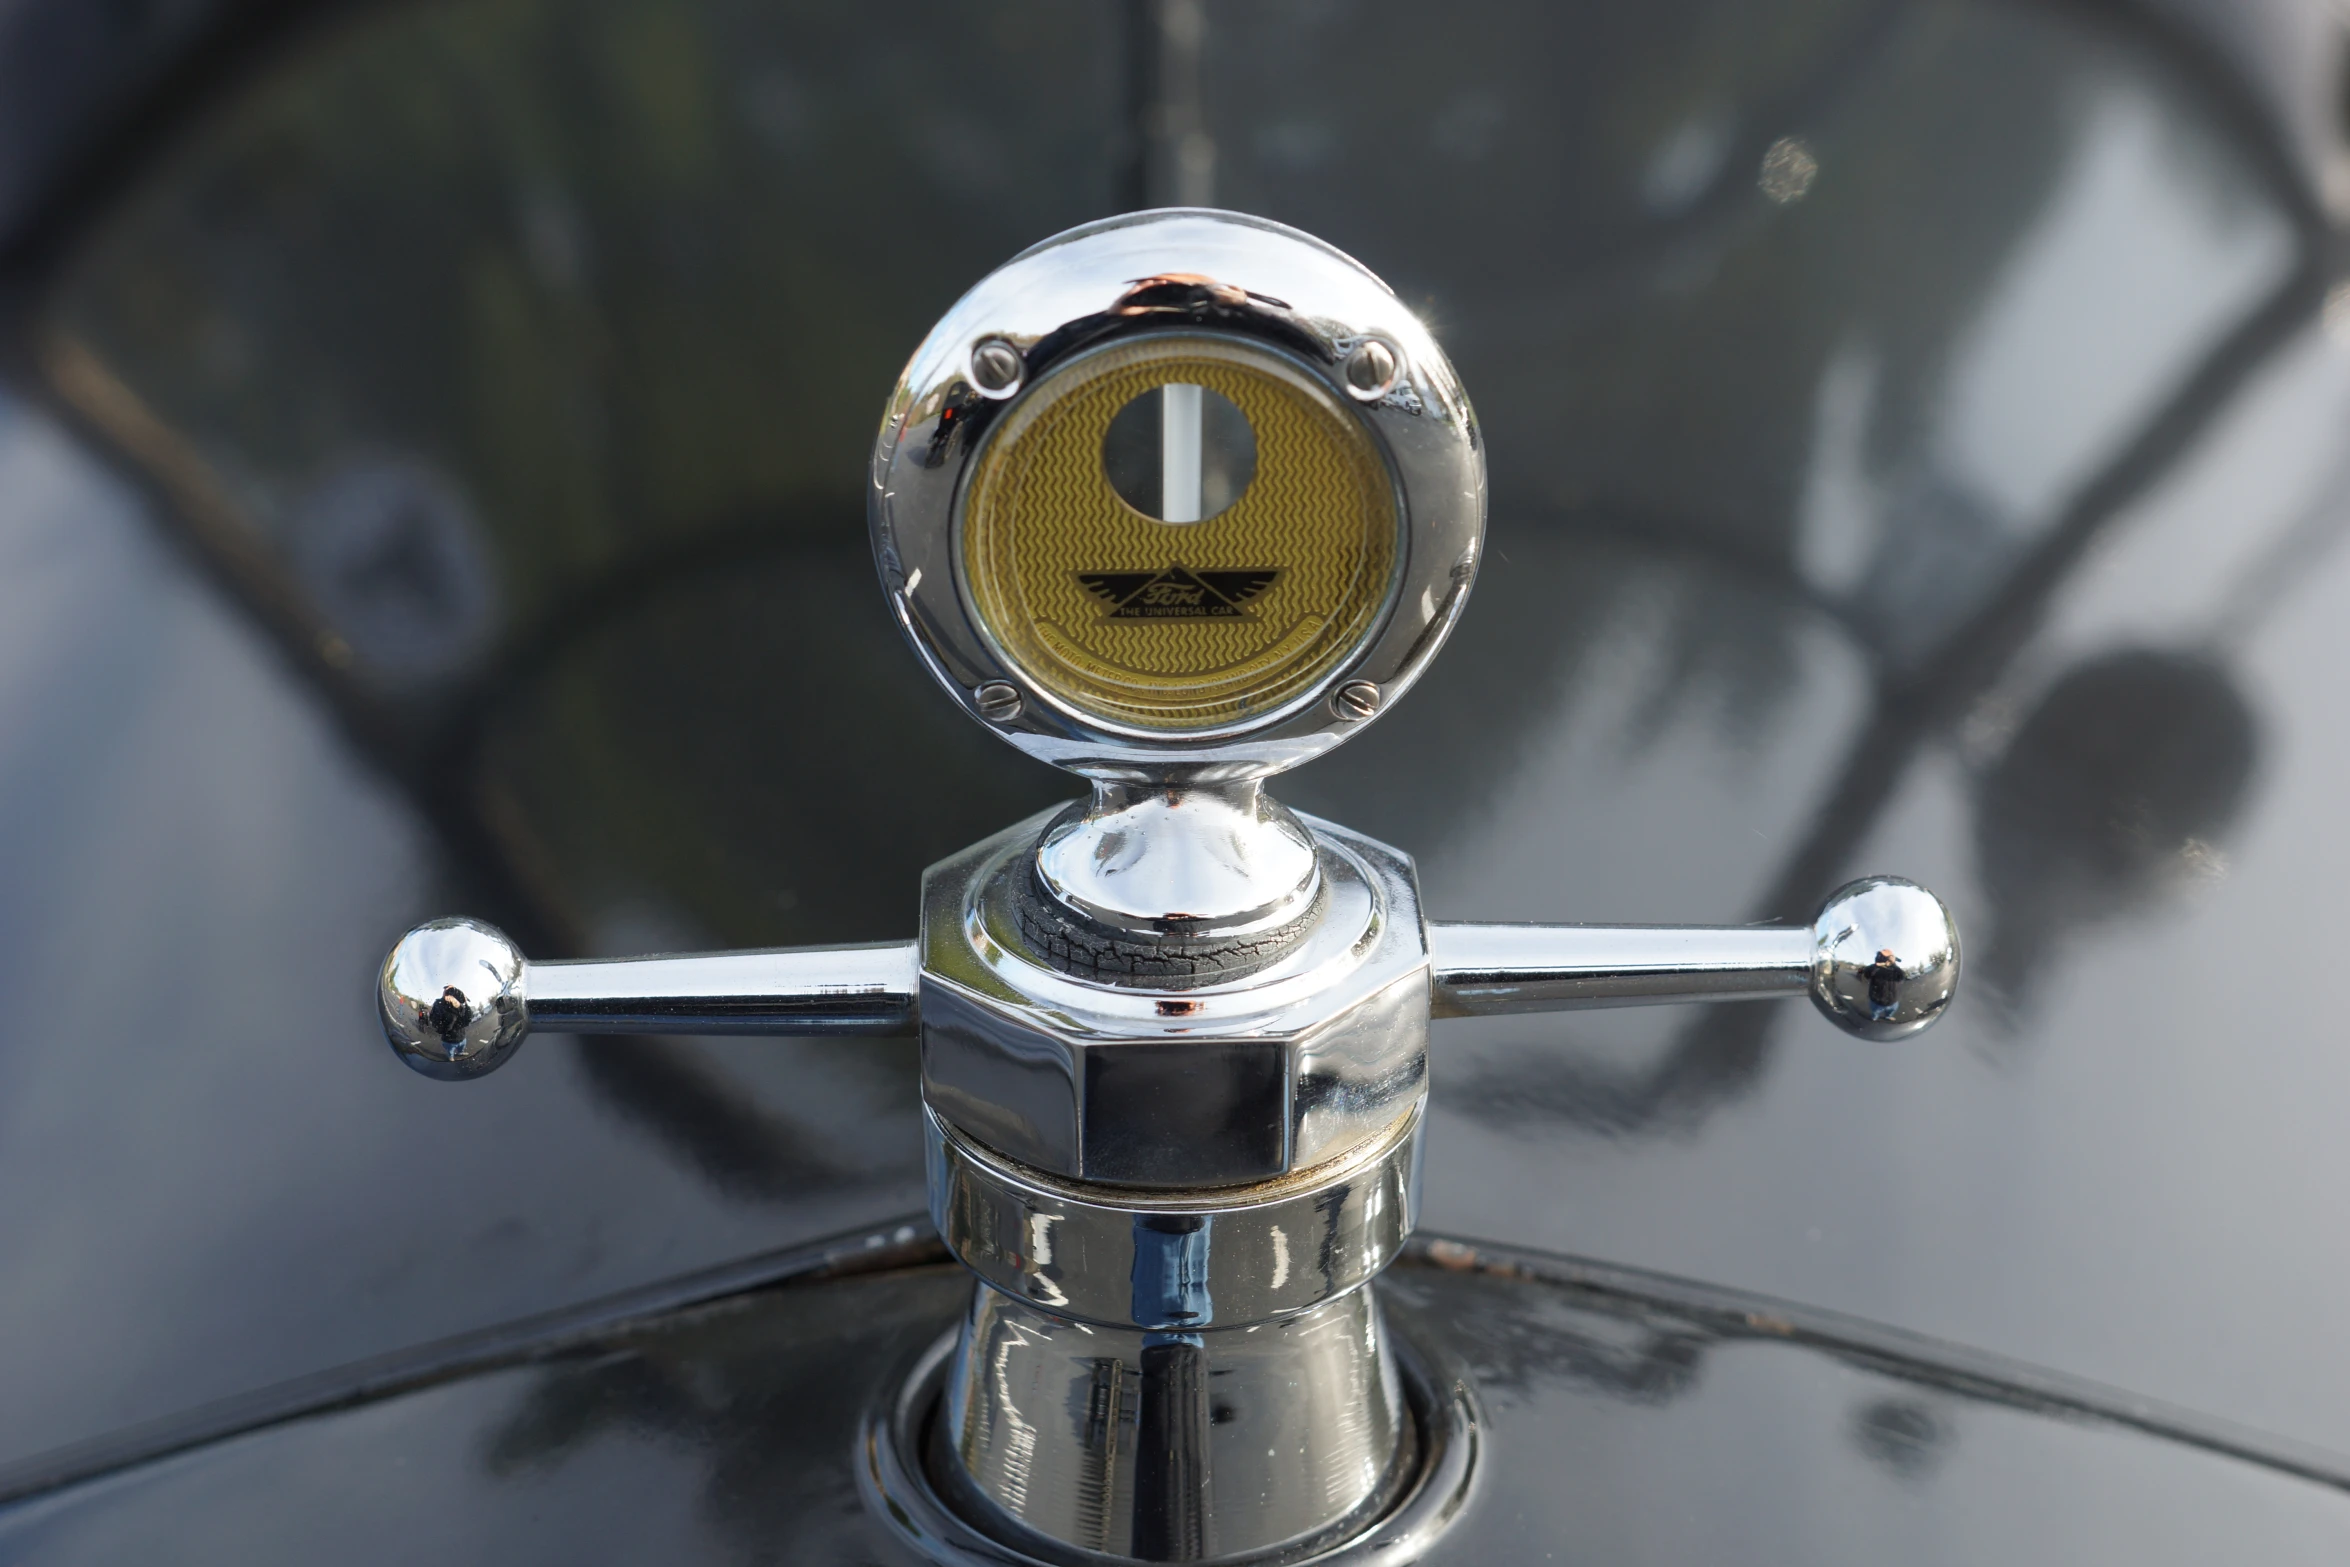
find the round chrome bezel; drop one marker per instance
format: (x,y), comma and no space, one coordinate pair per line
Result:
(1212,272)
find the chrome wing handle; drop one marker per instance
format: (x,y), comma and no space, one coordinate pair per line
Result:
(1881,961)
(456,996)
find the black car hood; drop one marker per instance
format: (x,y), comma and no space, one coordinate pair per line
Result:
(1619,1417)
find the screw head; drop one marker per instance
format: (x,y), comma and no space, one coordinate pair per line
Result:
(1370,369)
(1357,699)
(997,367)
(999,701)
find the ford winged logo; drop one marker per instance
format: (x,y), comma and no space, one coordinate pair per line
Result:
(1178,593)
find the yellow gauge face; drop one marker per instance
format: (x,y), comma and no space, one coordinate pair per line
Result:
(1148,624)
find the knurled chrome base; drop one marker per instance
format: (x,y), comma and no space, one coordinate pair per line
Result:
(1168,959)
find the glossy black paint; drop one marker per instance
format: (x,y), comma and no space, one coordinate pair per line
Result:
(1616,1426)
(488,389)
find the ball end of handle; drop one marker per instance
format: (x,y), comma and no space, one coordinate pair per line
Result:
(1885,958)
(451,999)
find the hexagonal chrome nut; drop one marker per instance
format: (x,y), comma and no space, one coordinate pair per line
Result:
(1216,1085)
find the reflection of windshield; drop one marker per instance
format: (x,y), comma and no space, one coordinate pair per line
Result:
(522,359)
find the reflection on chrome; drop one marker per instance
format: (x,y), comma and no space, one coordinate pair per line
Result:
(1175,1446)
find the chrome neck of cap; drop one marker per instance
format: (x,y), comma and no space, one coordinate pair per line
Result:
(1181,860)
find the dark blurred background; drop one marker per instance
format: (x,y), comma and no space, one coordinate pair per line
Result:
(431,479)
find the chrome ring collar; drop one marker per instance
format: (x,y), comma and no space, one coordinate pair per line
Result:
(1289,291)
(1181,1261)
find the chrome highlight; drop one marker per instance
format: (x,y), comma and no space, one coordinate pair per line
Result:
(865,989)
(1492,970)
